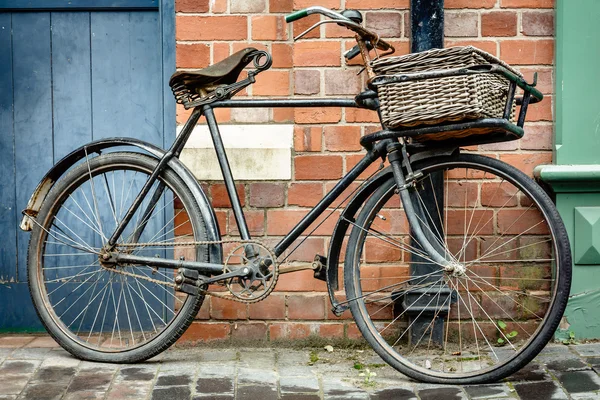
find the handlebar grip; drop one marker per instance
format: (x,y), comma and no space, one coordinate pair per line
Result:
(296,16)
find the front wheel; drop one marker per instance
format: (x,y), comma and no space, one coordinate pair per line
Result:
(106,313)
(502,303)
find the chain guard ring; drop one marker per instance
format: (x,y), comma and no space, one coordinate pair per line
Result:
(248,290)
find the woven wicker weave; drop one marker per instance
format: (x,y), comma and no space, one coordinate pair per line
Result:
(434,101)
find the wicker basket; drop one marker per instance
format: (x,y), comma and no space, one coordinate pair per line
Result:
(439,100)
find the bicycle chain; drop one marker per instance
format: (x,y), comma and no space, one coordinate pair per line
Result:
(201,243)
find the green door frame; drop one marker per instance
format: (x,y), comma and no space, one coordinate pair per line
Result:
(575,175)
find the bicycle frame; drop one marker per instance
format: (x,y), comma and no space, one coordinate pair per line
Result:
(374,152)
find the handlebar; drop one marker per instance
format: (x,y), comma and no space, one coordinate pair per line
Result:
(338,18)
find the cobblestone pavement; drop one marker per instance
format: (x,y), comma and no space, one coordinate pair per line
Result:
(36,368)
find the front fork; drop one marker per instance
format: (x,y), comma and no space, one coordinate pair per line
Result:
(417,218)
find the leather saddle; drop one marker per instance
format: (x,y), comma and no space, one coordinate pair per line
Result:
(225,72)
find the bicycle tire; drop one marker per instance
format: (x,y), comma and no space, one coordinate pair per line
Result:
(442,368)
(59,199)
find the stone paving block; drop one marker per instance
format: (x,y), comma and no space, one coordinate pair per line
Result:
(226,368)
(587,350)
(43,391)
(142,373)
(44,341)
(219,355)
(576,382)
(393,394)
(53,360)
(446,393)
(215,385)
(337,388)
(298,384)
(13,384)
(544,390)
(13,342)
(129,390)
(53,374)
(252,375)
(292,357)
(30,354)
(257,358)
(532,372)
(295,370)
(8,397)
(213,397)
(254,392)
(10,367)
(171,392)
(91,380)
(84,395)
(300,396)
(492,391)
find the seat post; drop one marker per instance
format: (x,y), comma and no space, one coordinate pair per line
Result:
(226,171)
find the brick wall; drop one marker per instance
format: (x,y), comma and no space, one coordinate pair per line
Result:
(326,140)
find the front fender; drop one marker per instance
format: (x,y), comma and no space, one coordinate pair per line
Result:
(48,181)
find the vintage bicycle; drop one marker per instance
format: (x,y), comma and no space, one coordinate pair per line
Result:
(456,266)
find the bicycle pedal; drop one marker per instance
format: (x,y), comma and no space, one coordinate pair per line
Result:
(319,267)
(188,273)
(187,288)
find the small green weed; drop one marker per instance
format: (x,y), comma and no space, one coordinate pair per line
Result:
(508,335)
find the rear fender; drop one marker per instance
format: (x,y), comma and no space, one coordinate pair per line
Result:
(59,169)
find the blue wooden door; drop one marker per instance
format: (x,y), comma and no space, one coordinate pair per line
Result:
(71,73)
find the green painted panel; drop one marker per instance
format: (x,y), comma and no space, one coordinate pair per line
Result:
(587,235)
(577,84)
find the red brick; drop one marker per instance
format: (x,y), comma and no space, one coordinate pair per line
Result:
(303,24)
(304,194)
(237,46)
(342,138)
(537,23)
(206,332)
(196,55)
(273,307)
(220,51)
(527,162)
(475,222)
(267,194)
(500,23)
(191,6)
(272,83)
(220,197)
(499,195)
(461,24)
(211,28)
(282,55)
(377,4)
(352,160)
(204,312)
(311,167)
(361,115)
(527,52)
(255,219)
(301,281)
(545,83)
(386,24)
(289,330)
(283,114)
(469,3)
(249,331)
(541,111)
(342,82)
(280,222)
(337,31)
(345,196)
(281,6)
(307,138)
(352,331)
(527,3)
(311,115)
(269,27)
(304,249)
(331,4)
(537,137)
(326,53)
(227,309)
(515,222)
(222,221)
(306,307)
(331,330)
(307,81)
(219,6)
(377,250)
(485,45)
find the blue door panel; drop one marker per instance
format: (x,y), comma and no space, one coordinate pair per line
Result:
(8,212)
(68,77)
(71,88)
(32,74)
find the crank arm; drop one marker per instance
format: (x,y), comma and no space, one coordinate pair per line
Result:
(233,274)
(122,258)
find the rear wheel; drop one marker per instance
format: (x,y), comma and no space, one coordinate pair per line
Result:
(497,309)
(121,314)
